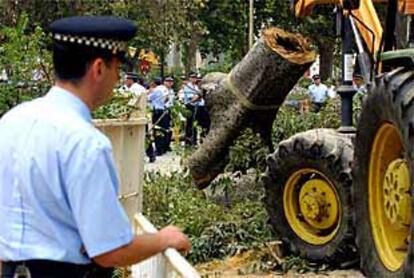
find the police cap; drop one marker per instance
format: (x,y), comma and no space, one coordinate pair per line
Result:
(131,75)
(316,76)
(102,32)
(169,78)
(192,75)
(157,81)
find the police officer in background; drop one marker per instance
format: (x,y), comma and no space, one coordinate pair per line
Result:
(59,211)
(157,100)
(169,102)
(202,115)
(191,101)
(318,93)
(359,85)
(131,84)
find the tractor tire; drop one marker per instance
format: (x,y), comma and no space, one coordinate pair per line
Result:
(308,196)
(383,176)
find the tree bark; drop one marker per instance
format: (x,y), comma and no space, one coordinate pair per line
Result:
(250,94)
(162,63)
(326,50)
(191,55)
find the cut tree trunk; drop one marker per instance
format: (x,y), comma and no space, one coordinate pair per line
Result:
(250,94)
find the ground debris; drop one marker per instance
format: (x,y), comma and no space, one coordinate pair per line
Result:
(268,262)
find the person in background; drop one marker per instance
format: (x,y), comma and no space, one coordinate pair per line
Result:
(149,135)
(141,81)
(157,99)
(132,85)
(359,85)
(169,102)
(184,82)
(202,116)
(318,93)
(191,99)
(59,209)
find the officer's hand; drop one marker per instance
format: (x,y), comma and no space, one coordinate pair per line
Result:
(175,238)
(195,98)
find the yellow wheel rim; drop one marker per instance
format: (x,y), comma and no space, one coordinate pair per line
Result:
(389,197)
(312,206)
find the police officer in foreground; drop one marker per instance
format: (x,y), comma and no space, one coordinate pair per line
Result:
(59,211)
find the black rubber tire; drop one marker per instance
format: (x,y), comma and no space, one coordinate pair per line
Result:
(331,153)
(392,100)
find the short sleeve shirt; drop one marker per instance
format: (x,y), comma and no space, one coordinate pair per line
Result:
(191,90)
(169,95)
(58,184)
(157,98)
(318,93)
(137,89)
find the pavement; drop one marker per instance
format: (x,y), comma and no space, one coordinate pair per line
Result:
(165,164)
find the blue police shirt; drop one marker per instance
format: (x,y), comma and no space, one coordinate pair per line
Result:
(318,93)
(191,90)
(58,184)
(157,99)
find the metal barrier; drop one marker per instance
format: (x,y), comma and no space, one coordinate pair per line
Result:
(167,264)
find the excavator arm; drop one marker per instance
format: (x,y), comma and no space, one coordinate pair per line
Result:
(371,31)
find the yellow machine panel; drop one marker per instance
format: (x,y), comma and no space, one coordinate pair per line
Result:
(366,13)
(406,6)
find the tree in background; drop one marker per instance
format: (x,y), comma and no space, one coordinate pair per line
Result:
(24,63)
(227,25)
(216,27)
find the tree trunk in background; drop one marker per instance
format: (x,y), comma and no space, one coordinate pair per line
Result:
(190,64)
(250,95)
(326,51)
(162,63)
(176,57)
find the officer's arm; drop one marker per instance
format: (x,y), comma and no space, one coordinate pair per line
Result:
(102,223)
(195,98)
(143,247)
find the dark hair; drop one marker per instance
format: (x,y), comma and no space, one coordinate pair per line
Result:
(141,81)
(134,78)
(157,81)
(71,61)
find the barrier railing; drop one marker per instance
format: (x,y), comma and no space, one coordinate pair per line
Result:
(165,265)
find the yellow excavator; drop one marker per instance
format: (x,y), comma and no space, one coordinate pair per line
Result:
(336,188)
(346,195)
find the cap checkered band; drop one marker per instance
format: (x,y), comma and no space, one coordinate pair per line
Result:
(115,46)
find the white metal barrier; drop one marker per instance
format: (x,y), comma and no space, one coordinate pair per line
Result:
(165,265)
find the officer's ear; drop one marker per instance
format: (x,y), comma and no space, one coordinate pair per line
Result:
(98,68)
